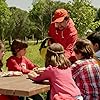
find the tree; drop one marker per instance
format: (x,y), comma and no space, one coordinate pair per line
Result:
(4,18)
(98,20)
(40,18)
(81,11)
(41,15)
(83,15)
(19,24)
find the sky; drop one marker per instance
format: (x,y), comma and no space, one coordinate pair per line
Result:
(27,4)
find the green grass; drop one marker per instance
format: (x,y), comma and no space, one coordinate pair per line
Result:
(32,53)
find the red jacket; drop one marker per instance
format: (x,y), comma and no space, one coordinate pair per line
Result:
(19,64)
(67,37)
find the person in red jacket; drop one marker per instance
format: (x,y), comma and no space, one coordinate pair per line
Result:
(18,62)
(62,30)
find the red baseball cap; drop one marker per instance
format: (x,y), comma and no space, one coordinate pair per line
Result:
(59,15)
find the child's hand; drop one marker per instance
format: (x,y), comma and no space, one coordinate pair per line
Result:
(35,69)
(11,73)
(32,74)
(40,70)
(17,73)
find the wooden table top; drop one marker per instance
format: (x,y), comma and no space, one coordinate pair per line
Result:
(21,86)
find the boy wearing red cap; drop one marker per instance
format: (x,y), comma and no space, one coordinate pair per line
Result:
(63,31)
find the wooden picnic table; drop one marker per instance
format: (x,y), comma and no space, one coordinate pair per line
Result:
(21,86)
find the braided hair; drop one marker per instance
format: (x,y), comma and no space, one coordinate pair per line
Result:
(55,56)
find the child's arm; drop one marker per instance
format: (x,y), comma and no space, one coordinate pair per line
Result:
(30,65)
(32,75)
(45,75)
(13,66)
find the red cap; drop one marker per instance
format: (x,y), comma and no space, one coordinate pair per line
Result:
(59,15)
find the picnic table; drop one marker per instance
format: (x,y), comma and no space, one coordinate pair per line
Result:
(21,86)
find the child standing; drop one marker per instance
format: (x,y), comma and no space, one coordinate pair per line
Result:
(18,62)
(58,72)
(86,71)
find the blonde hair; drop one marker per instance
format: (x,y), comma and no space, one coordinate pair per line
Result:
(55,56)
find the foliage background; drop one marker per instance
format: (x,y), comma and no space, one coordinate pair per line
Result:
(17,23)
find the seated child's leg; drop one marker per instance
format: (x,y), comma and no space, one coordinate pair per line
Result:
(4,97)
(7,97)
(48,95)
(36,97)
(22,98)
(13,97)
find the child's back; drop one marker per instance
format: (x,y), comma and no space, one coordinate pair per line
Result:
(60,81)
(86,70)
(59,74)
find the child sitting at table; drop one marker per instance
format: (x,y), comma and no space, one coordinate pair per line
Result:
(86,71)
(2,52)
(58,72)
(18,61)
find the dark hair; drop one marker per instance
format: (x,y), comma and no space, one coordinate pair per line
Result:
(55,56)
(84,46)
(1,46)
(47,41)
(94,38)
(18,45)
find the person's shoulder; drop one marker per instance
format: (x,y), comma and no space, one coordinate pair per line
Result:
(52,25)
(70,22)
(11,57)
(52,68)
(78,62)
(91,63)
